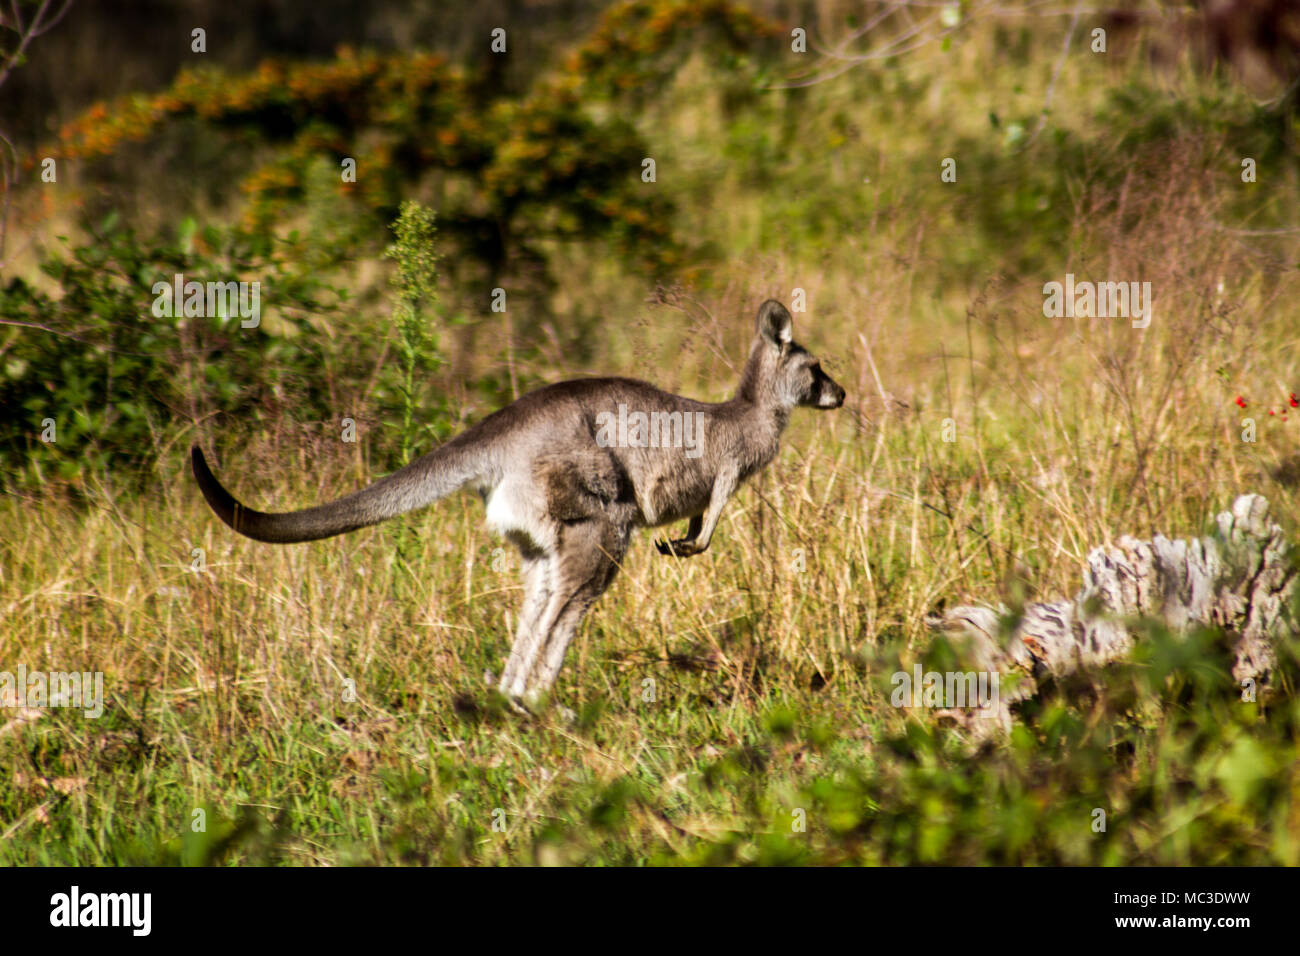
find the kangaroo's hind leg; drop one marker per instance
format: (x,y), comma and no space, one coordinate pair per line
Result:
(537,569)
(587,563)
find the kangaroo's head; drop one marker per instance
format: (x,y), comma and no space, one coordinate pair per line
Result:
(782,373)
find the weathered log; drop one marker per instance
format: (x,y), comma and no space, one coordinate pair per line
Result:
(1241,578)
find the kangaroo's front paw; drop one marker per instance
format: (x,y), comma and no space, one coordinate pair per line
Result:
(681,548)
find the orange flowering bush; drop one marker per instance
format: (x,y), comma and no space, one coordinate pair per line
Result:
(537,167)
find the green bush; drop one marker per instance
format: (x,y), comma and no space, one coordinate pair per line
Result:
(91,356)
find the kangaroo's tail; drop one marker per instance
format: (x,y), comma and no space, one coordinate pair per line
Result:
(422,482)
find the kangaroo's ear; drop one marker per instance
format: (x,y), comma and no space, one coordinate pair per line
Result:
(774,323)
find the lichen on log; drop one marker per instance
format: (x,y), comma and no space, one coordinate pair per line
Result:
(1241,578)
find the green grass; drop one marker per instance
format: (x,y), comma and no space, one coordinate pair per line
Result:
(770,691)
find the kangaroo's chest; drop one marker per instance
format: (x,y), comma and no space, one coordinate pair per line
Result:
(666,494)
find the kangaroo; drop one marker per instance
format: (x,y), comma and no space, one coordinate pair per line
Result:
(569,470)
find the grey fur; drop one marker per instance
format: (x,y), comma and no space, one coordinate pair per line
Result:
(566,495)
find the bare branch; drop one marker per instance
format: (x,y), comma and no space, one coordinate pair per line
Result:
(1056,74)
(921,22)
(46,18)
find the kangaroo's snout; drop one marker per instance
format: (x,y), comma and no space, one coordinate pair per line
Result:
(832,396)
(826,392)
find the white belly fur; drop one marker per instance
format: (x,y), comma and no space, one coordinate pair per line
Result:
(511,509)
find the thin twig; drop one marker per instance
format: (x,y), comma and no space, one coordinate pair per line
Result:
(1056,74)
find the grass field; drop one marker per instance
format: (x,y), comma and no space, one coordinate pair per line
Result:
(326,704)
